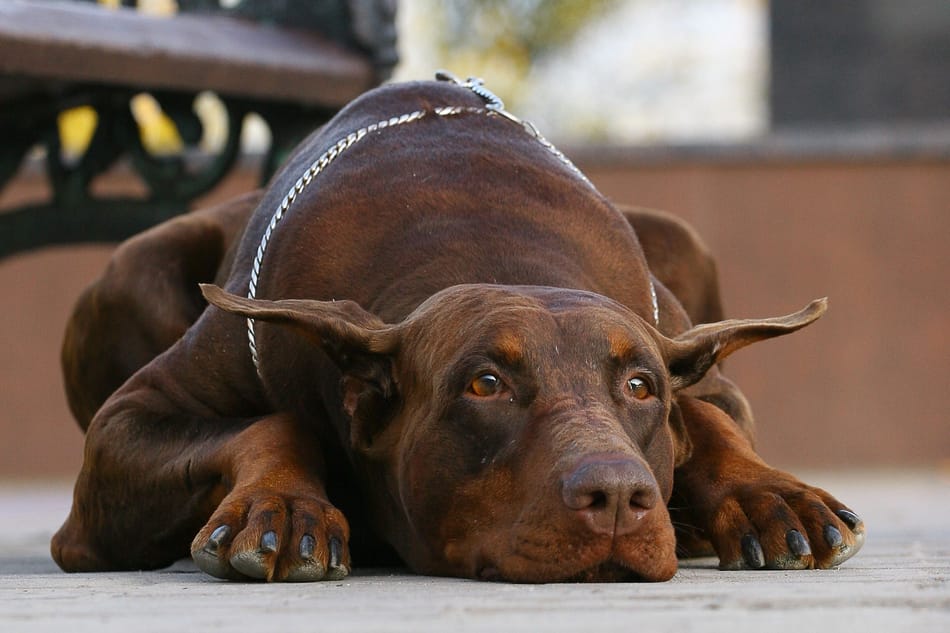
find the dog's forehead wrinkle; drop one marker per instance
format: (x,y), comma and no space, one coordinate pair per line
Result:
(514,322)
(504,327)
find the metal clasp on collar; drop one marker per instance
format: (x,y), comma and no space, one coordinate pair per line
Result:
(492,101)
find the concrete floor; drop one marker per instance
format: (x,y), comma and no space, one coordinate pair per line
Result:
(899,582)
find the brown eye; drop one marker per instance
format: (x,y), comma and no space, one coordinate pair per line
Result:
(639,388)
(486,385)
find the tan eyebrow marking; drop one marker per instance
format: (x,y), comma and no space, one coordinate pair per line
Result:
(509,347)
(619,344)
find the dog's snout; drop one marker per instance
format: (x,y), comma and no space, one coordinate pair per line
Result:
(611,495)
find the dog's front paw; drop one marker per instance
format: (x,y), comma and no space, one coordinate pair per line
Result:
(775,521)
(262,534)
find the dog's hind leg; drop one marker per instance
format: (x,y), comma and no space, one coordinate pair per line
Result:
(680,260)
(145,300)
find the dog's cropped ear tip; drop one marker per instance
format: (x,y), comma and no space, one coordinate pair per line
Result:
(216,296)
(210,291)
(809,314)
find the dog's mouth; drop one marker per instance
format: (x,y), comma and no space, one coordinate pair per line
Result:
(608,571)
(648,555)
(606,566)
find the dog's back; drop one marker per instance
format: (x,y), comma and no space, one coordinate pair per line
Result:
(410,208)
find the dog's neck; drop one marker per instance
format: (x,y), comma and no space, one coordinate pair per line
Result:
(493,107)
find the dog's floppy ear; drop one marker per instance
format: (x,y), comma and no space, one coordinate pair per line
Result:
(341,328)
(360,344)
(691,354)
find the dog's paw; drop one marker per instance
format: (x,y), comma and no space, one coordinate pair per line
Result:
(778,522)
(274,537)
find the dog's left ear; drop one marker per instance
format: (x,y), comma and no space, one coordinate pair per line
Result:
(357,341)
(691,354)
(341,328)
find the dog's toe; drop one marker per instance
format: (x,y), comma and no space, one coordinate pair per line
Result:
(338,568)
(853,537)
(835,532)
(752,554)
(793,552)
(848,551)
(310,571)
(256,563)
(853,521)
(206,553)
(252,564)
(843,544)
(797,553)
(307,569)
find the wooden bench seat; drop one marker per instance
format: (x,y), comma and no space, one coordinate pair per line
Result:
(74,42)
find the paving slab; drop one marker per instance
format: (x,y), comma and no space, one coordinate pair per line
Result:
(899,582)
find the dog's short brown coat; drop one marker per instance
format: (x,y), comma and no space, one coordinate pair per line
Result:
(458,361)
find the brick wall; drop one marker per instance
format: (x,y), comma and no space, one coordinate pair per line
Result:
(865,386)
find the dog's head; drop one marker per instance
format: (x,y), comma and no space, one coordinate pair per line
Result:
(518,433)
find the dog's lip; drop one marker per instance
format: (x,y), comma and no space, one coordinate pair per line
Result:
(597,567)
(490,573)
(609,570)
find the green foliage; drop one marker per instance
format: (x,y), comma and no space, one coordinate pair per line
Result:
(532,27)
(501,39)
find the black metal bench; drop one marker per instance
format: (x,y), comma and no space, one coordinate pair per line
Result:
(295,68)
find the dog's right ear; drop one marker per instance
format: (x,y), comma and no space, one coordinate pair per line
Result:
(690,355)
(357,341)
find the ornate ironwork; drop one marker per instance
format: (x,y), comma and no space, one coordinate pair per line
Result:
(73,213)
(31,107)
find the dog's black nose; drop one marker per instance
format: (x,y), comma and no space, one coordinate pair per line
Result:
(610,494)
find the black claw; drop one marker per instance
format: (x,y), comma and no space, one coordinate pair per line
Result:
(336,552)
(269,542)
(217,537)
(307,545)
(849,518)
(833,537)
(752,552)
(797,543)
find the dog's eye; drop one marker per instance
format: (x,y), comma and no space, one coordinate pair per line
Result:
(486,385)
(639,388)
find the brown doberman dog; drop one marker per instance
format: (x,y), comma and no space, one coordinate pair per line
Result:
(436,343)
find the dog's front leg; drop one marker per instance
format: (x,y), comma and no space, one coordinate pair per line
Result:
(276,522)
(753,515)
(152,477)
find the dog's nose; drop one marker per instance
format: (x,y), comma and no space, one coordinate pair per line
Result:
(611,495)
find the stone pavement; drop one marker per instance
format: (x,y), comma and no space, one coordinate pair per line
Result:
(899,582)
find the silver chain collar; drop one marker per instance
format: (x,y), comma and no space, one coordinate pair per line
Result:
(494,106)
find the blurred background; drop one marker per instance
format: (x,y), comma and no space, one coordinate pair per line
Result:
(807,141)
